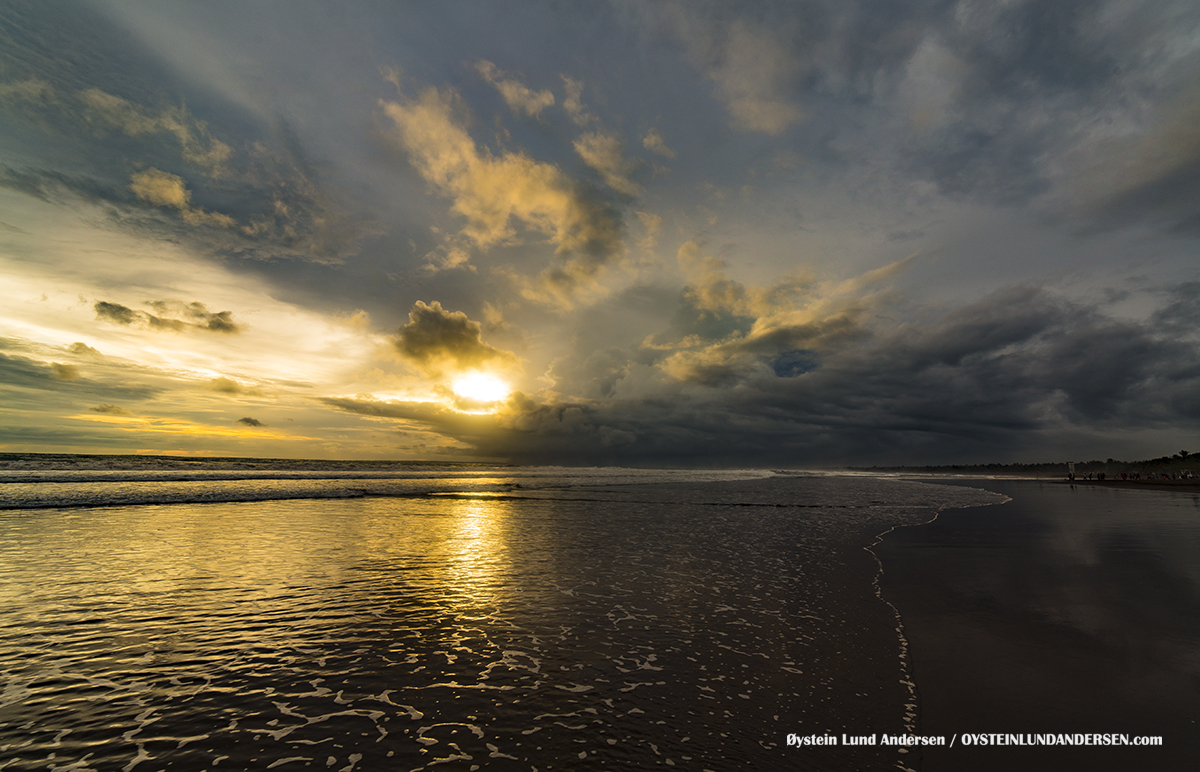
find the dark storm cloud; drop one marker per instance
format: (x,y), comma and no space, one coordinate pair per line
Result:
(1181,314)
(1034,46)
(1018,358)
(435,338)
(978,381)
(1028,88)
(1016,80)
(187,316)
(29,374)
(986,100)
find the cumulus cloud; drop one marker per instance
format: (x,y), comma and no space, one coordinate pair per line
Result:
(752,71)
(1041,112)
(492,192)
(518,96)
(603,152)
(1181,313)
(197,314)
(436,340)
(171,316)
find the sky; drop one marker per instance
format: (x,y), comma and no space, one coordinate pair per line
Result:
(789,234)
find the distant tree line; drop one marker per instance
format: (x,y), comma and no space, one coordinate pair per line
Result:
(1180,462)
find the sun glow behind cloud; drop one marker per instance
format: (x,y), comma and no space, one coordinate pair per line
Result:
(480,387)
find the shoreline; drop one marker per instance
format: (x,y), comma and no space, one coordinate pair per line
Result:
(954,479)
(1050,616)
(1173,485)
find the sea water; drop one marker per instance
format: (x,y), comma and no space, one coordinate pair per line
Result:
(161,614)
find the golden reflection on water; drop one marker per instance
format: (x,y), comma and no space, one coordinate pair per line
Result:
(477,550)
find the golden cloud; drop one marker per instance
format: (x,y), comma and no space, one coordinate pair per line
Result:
(161,189)
(794,314)
(518,96)
(167,190)
(709,289)
(603,152)
(495,193)
(225,385)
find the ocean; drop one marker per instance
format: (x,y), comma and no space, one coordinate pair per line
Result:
(233,614)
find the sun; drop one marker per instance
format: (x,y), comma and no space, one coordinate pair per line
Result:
(480,387)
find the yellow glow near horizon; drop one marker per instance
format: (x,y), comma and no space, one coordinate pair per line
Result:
(481,387)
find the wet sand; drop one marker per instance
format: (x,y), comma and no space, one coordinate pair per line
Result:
(1068,609)
(1188,486)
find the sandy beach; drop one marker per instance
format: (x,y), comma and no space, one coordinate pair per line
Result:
(1070,609)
